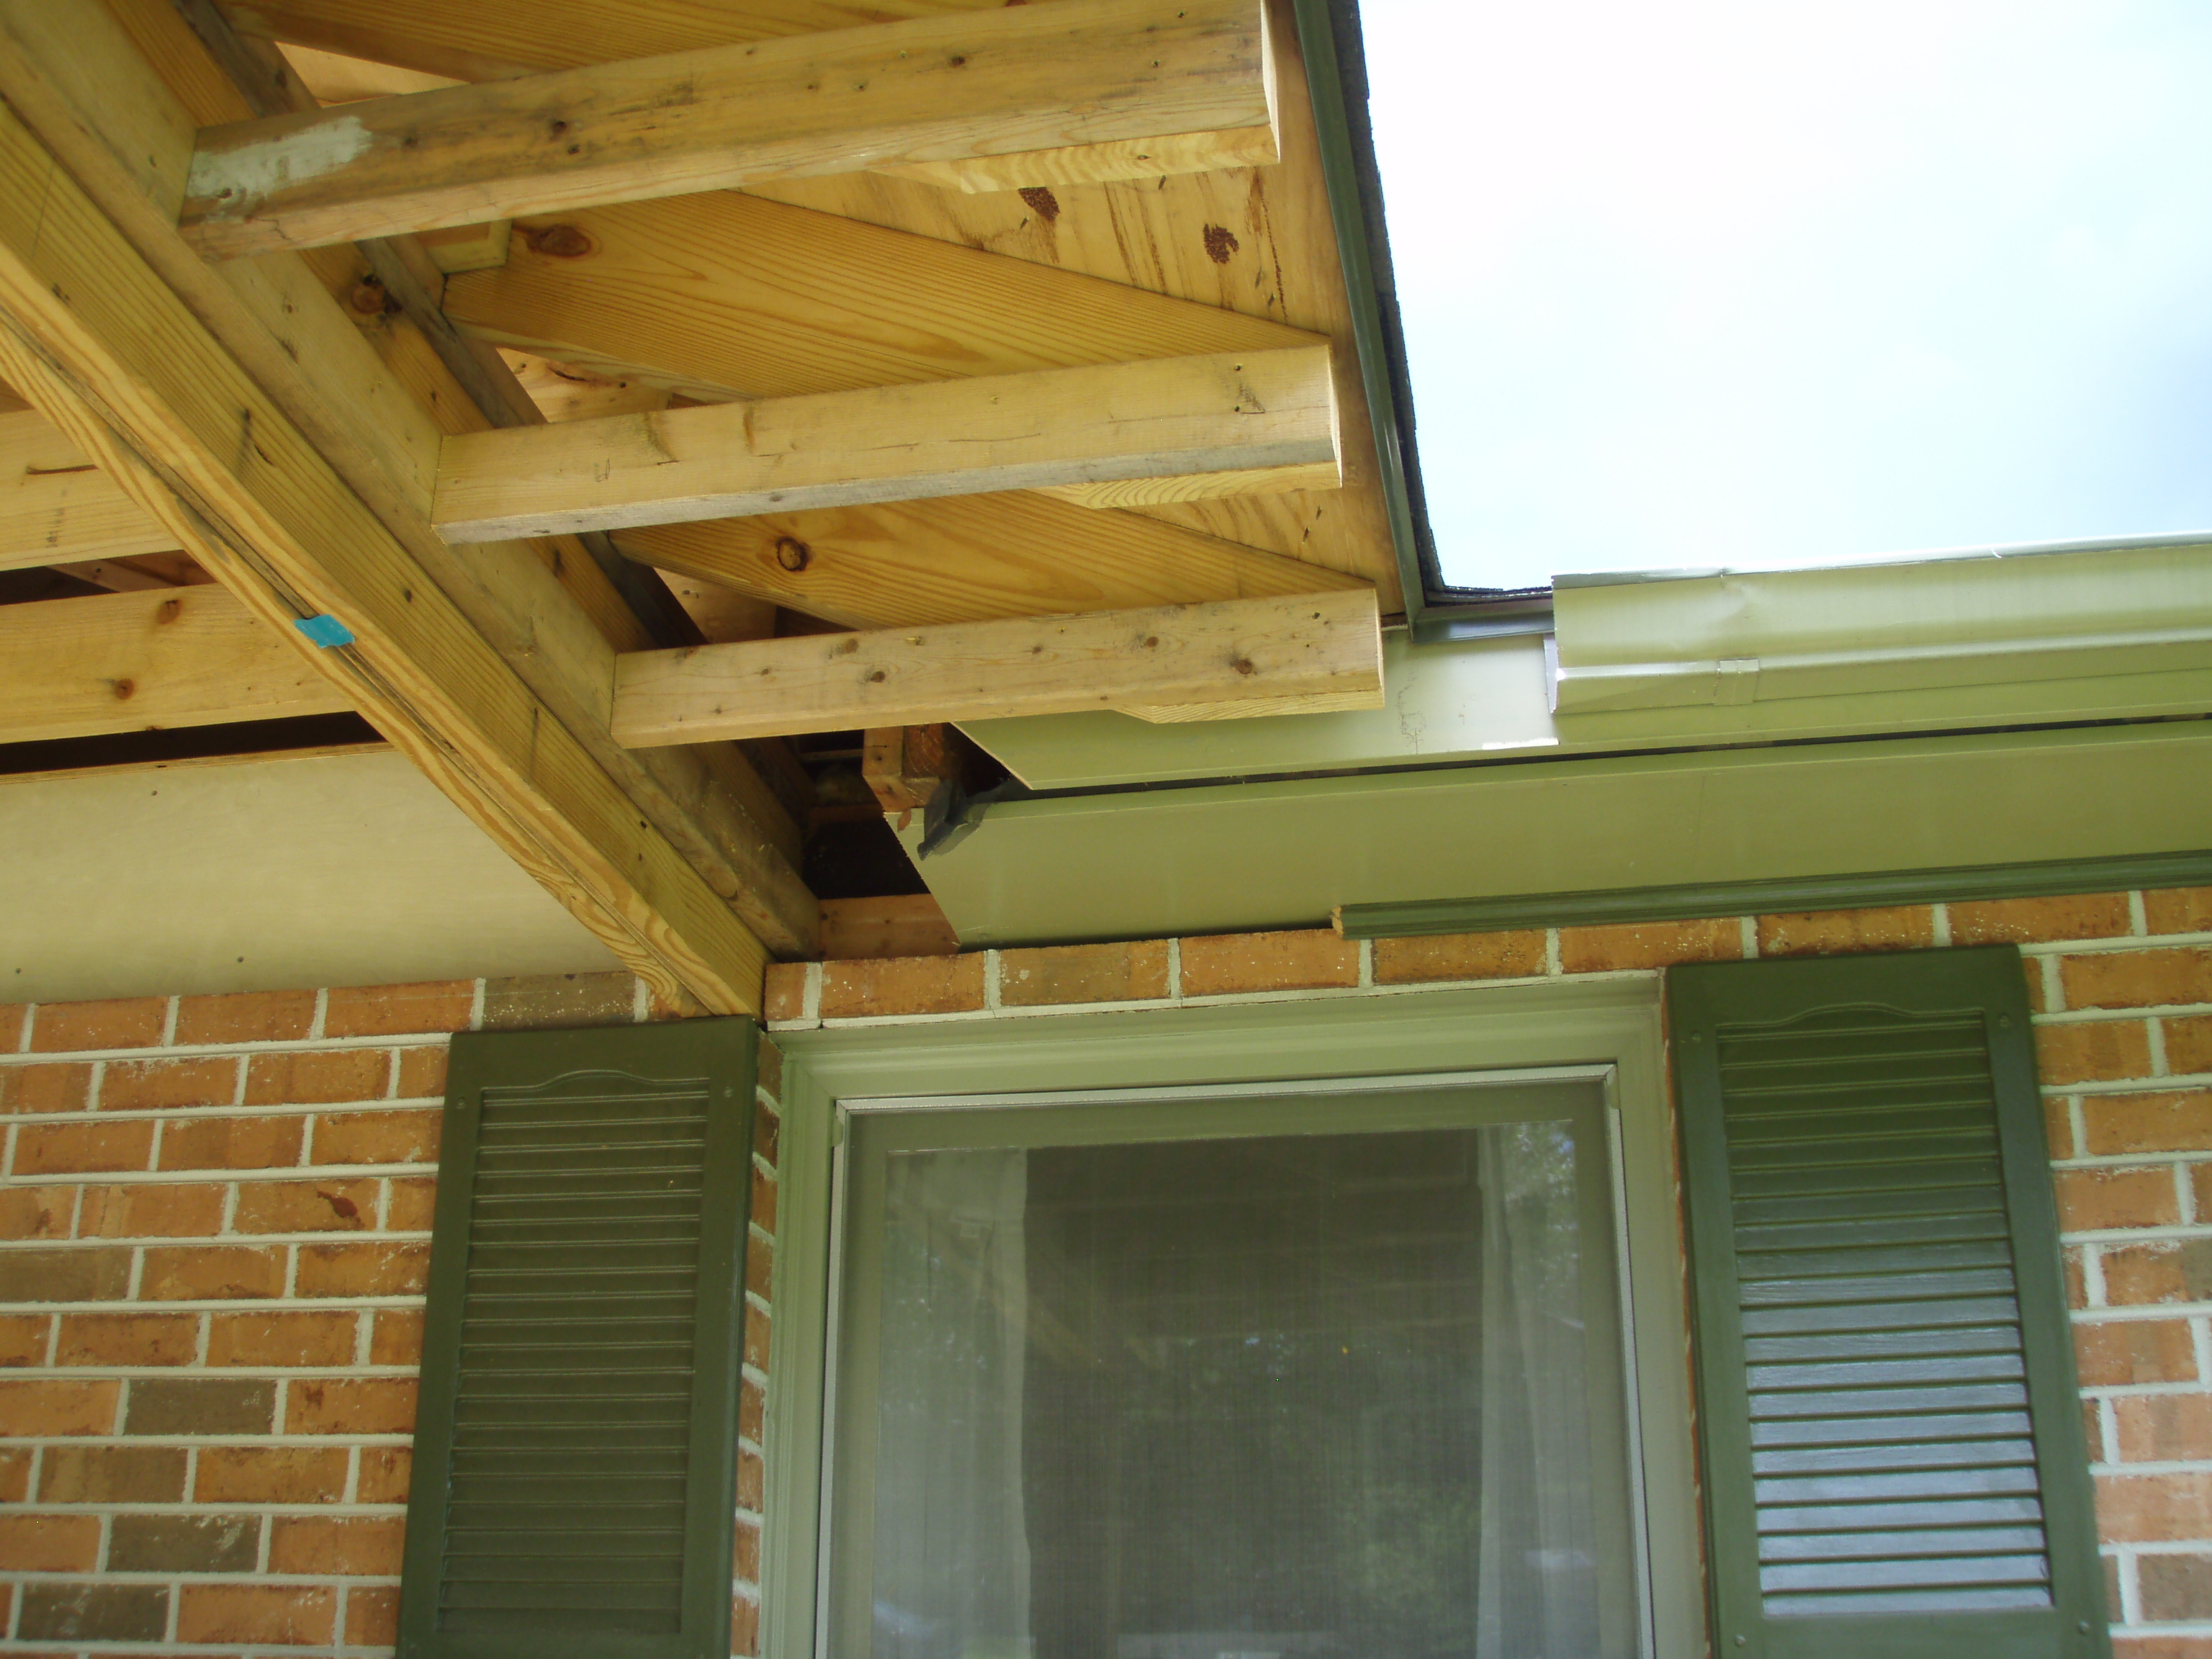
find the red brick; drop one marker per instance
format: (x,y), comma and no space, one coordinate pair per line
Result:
(1084,973)
(2130,978)
(2138,1509)
(64,1275)
(136,1084)
(58,1086)
(902,985)
(752,1481)
(2189,1043)
(1517,954)
(78,1148)
(305,1206)
(1837,932)
(770,1070)
(330,1546)
(15,1474)
(210,1273)
(2092,1051)
(1309,959)
(357,1404)
(282,1339)
(1649,944)
(384,1473)
(362,1269)
(786,993)
(2058,1129)
(270,1475)
(128,1339)
(2164,1270)
(152,1209)
(23,1339)
(745,1559)
(2178,910)
(2093,1200)
(2032,975)
(126,1023)
(28,1212)
(2077,1280)
(15,1020)
(752,1412)
(29,1410)
(763,1203)
(49,1543)
(397,1339)
(372,1615)
(288,1615)
(2177,1122)
(2113,1353)
(756,1339)
(112,1475)
(422,1074)
(312,1080)
(406,1137)
(246,1017)
(2028,920)
(745,1627)
(2165,1428)
(232,1143)
(2200,1187)
(410,1204)
(760,1267)
(396,1010)
(767,1130)
(2175,1588)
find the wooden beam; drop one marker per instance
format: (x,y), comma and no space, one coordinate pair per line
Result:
(147,661)
(724,295)
(981,84)
(96,338)
(970,558)
(70,72)
(1244,414)
(57,507)
(904,766)
(1227,652)
(900,925)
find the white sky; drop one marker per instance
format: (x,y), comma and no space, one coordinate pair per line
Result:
(1762,282)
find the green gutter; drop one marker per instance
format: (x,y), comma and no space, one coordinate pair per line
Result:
(1743,898)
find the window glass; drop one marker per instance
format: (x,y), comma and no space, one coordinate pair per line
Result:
(1308,1393)
(1726,283)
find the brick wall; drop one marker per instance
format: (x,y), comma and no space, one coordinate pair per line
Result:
(2122,987)
(214,1227)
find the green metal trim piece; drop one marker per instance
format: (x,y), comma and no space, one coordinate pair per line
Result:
(717,1055)
(1704,1002)
(1697,900)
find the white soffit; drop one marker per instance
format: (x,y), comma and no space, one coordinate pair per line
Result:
(344,868)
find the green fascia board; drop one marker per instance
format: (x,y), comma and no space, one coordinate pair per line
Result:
(1488,700)
(1231,858)
(1864,890)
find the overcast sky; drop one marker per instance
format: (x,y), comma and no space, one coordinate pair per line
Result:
(1719,283)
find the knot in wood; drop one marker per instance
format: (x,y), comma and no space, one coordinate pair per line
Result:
(792,554)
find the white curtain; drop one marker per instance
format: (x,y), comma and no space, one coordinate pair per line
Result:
(951,1550)
(1537,1592)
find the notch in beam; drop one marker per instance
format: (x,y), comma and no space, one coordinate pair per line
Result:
(1227,424)
(1228,652)
(948,89)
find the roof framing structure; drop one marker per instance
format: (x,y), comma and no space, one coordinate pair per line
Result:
(1024,320)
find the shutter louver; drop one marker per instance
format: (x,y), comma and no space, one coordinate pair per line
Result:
(1894,1457)
(574,1485)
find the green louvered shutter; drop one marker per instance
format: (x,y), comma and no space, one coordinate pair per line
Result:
(574,1486)
(1894,1454)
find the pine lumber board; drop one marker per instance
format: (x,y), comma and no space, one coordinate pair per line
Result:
(275,321)
(898,925)
(1239,415)
(970,558)
(96,339)
(943,89)
(57,507)
(147,661)
(1225,651)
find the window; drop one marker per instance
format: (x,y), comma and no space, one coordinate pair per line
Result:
(1292,1373)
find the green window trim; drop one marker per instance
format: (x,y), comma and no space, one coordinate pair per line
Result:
(1870,1207)
(589,1239)
(1611,1026)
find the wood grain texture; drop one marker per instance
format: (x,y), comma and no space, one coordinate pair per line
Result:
(975,84)
(970,558)
(94,336)
(57,507)
(1236,414)
(1160,656)
(145,661)
(900,925)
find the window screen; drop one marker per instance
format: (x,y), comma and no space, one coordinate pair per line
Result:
(1313,1377)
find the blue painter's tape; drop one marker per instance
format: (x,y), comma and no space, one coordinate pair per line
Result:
(325,631)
